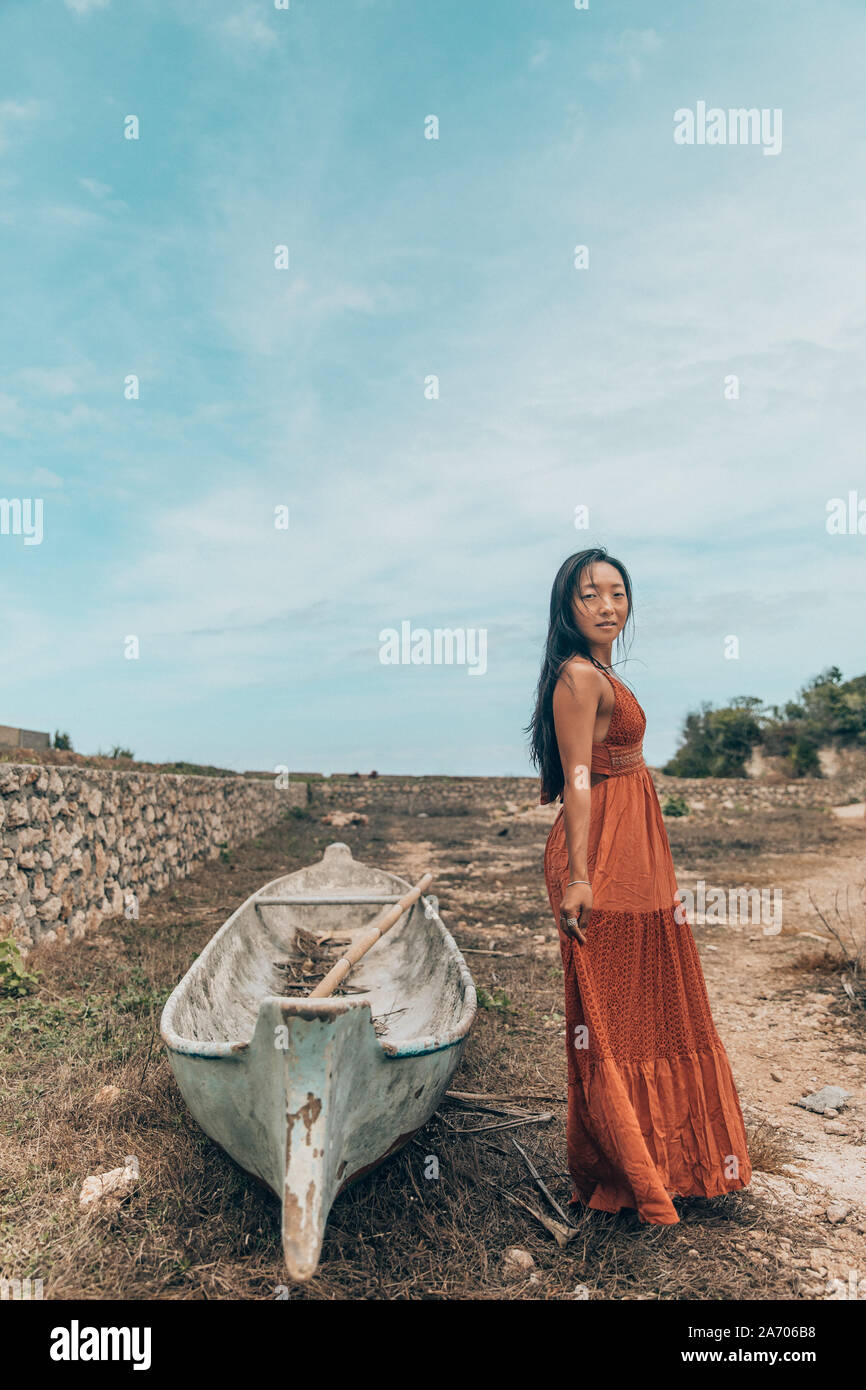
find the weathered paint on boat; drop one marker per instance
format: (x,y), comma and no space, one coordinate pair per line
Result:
(304,1093)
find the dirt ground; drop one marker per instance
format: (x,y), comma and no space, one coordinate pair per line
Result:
(197,1227)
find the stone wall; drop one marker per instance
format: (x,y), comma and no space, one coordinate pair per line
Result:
(448,795)
(78,844)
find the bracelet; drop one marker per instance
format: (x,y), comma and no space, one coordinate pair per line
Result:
(579,880)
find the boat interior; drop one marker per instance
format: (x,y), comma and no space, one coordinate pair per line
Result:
(414,978)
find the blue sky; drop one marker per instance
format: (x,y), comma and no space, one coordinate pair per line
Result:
(410,257)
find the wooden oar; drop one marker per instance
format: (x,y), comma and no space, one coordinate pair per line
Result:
(369,936)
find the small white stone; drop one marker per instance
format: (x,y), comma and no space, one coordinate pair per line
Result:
(516,1263)
(836,1212)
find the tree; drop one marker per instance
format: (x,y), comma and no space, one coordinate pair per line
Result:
(718,742)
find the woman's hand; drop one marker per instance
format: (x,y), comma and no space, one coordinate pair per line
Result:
(576,907)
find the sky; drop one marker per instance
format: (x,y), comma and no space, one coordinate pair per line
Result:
(306,386)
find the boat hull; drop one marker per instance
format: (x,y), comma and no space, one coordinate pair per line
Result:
(313,1104)
(315,1099)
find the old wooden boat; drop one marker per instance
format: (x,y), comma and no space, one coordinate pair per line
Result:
(309,1094)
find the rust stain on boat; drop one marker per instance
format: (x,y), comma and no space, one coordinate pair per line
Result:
(308,1114)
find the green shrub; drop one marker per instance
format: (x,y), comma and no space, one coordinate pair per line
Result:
(15,979)
(828,712)
(497,1002)
(675,806)
(717,742)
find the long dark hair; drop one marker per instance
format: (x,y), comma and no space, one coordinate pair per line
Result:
(564,640)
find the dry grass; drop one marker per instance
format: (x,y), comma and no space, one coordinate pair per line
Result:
(197,1227)
(759,835)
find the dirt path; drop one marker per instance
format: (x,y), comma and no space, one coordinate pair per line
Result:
(789,1034)
(786,1022)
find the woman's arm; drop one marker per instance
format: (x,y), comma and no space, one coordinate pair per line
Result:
(575,706)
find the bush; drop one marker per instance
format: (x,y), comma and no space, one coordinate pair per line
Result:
(675,806)
(495,1002)
(828,712)
(717,742)
(62,741)
(15,979)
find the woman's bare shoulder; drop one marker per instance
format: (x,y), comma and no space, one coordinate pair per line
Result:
(579,680)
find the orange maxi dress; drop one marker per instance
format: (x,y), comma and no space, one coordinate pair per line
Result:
(653,1111)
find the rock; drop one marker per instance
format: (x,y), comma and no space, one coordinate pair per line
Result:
(819,1258)
(774,1075)
(110,1187)
(106,1098)
(60,877)
(30,835)
(836,1289)
(828,1098)
(836,1127)
(340,819)
(836,1212)
(516,1263)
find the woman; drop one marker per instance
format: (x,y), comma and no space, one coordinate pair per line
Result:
(652,1107)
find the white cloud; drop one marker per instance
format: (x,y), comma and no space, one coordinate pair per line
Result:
(95,188)
(12,112)
(12,417)
(67,215)
(627,52)
(48,381)
(100,192)
(18,110)
(43,477)
(246,26)
(86,6)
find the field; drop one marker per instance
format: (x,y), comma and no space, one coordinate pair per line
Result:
(197,1227)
